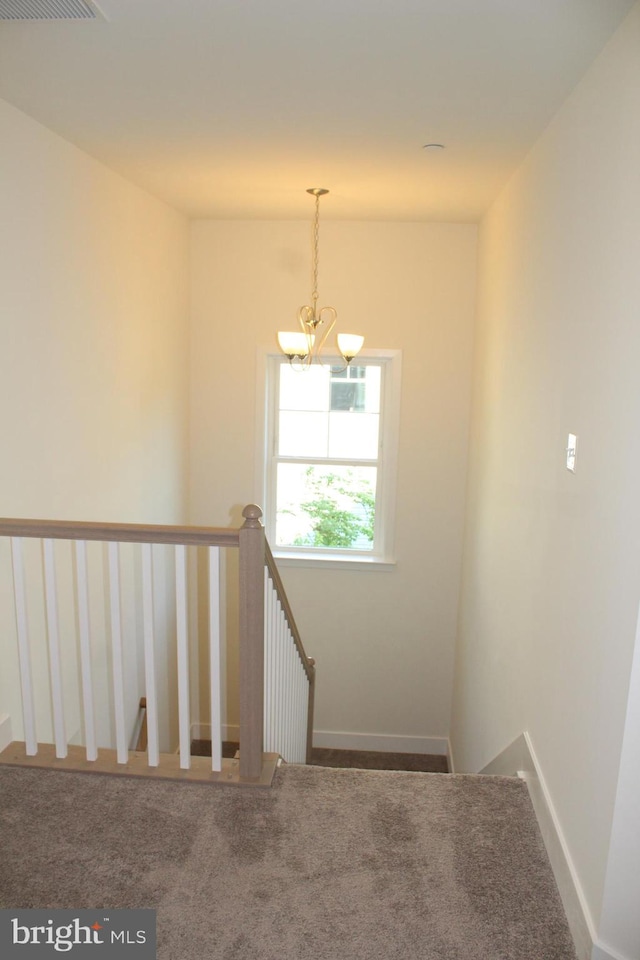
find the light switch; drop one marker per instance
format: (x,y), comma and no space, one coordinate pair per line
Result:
(572,444)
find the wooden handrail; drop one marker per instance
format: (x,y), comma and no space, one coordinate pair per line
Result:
(120,532)
(307,662)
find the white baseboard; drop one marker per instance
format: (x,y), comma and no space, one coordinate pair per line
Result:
(520,759)
(202,731)
(602,952)
(573,899)
(450,764)
(389,743)
(5,731)
(513,758)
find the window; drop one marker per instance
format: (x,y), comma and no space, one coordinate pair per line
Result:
(330,458)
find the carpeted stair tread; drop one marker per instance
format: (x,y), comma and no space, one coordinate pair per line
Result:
(360,759)
(202,748)
(379,760)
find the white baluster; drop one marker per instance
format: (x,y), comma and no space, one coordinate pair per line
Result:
(285,685)
(294,700)
(290,686)
(286,740)
(26,684)
(296,703)
(268,668)
(275,686)
(84,632)
(55,669)
(297,707)
(275,711)
(303,716)
(267,662)
(304,696)
(151,694)
(287,651)
(275,689)
(296,679)
(281,683)
(215,673)
(275,674)
(116,652)
(184,709)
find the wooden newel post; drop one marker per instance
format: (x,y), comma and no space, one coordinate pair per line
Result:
(312,695)
(252,559)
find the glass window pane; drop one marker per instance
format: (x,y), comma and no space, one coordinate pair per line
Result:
(303,434)
(373,379)
(304,389)
(325,506)
(348,373)
(354,436)
(347,396)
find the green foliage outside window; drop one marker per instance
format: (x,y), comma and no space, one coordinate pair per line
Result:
(341,509)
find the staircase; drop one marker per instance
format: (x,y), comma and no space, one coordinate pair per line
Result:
(108,617)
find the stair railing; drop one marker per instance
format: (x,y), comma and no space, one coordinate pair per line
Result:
(255,763)
(290,675)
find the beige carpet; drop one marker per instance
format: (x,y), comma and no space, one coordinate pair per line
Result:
(378,760)
(360,759)
(327,865)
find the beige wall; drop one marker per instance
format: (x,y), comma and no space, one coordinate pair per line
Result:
(93,324)
(552,560)
(93,327)
(383,640)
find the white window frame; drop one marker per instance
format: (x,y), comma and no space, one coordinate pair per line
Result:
(383,555)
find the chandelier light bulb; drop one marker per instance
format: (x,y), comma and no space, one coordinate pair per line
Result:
(294,344)
(349,345)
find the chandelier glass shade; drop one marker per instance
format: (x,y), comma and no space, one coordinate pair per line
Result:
(303,346)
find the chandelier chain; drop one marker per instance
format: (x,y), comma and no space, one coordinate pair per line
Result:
(316,325)
(316,238)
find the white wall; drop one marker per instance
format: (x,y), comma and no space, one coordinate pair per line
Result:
(93,365)
(383,640)
(552,560)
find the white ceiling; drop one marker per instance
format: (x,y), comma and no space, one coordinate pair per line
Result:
(232,108)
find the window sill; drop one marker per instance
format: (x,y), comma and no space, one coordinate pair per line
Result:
(320,562)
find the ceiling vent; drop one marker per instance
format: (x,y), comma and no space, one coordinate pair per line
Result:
(49,10)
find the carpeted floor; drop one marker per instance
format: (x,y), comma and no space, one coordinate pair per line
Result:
(327,865)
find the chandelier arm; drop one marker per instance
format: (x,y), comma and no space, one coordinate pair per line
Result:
(321,341)
(306,318)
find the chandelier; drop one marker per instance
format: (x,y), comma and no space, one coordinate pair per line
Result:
(316,323)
